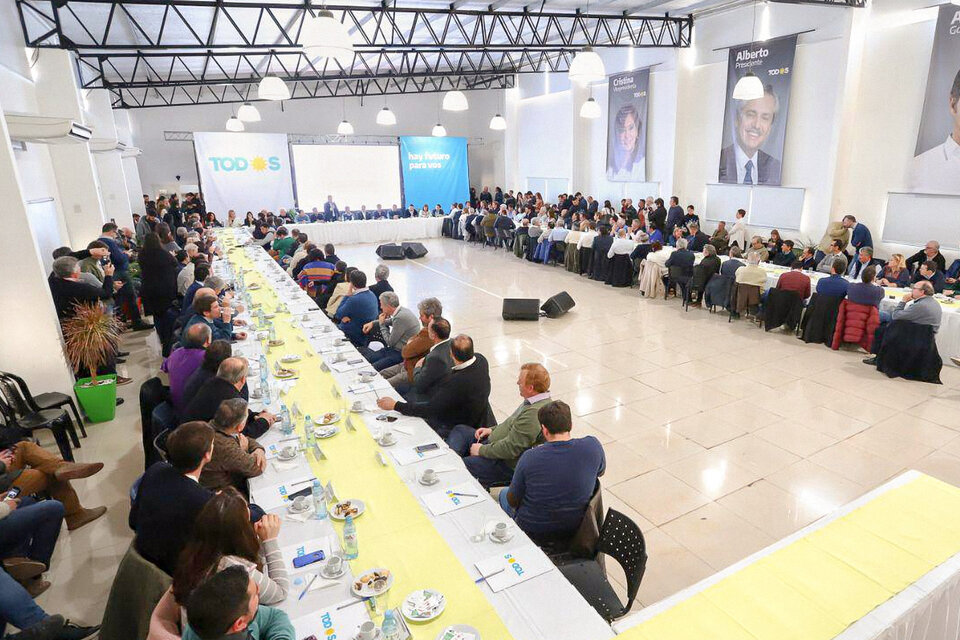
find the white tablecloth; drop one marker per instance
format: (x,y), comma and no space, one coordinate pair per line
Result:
(929,609)
(378,231)
(543,608)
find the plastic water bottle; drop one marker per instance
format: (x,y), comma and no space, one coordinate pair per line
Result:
(306,429)
(319,500)
(390,628)
(265,393)
(350,548)
(263,370)
(273,333)
(286,425)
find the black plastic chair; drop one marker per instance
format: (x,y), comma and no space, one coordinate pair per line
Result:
(160,446)
(19,411)
(49,400)
(678,279)
(162,421)
(622,540)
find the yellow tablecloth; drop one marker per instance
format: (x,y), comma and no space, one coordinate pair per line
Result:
(815,587)
(394,532)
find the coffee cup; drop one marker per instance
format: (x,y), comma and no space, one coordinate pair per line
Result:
(288,451)
(500,530)
(387,437)
(368,631)
(327,328)
(334,566)
(429,476)
(300,503)
(367,376)
(339,357)
(357,405)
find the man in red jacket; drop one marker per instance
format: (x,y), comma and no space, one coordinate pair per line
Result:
(795,280)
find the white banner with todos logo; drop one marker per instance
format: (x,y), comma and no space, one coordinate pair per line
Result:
(244,172)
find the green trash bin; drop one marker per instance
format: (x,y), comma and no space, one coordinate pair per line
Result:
(99,401)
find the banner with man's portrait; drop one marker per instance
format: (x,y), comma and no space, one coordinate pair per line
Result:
(627,126)
(936,163)
(754,130)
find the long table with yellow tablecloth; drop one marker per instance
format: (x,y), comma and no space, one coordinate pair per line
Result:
(885,566)
(396,531)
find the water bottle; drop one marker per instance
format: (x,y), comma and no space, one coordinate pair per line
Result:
(286,425)
(350,549)
(306,429)
(263,368)
(319,500)
(273,333)
(390,628)
(265,392)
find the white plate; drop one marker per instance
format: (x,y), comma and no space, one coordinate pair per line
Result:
(359,505)
(293,357)
(462,628)
(366,591)
(326,432)
(323,423)
(407,607)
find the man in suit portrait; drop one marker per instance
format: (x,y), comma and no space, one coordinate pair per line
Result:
(743,162)
(937,170)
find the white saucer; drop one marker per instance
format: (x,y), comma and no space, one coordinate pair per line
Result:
(334,576)
(428,484)
(388,444)
(493,538)
(292,510)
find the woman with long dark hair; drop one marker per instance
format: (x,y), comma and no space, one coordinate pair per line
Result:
(223,536)
(158,285)
(167,240)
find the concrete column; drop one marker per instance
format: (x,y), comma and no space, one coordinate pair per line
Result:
(31,346)
(76,176)
(107,160)
(582,142)
(131,169)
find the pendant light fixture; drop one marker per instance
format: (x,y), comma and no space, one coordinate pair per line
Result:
(590,109)
(272,87)
(234,124)
(248,113)
(749,87)
(344,128)
(455,100)
(386,117)
(323,36)
(497,122)
(586,66)
(439,131)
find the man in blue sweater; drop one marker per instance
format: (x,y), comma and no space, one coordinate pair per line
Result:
(835,284)
(357,309)
(860,235)
(126,297)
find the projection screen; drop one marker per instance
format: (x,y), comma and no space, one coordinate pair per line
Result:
(354,175)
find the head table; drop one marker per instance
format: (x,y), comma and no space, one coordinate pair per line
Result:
(524,595)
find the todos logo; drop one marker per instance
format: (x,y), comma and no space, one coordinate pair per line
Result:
(453,498)
(239,163)
(328,630)
(513,563)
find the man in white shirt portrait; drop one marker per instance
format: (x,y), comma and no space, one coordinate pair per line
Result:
(937,170)
(744,162)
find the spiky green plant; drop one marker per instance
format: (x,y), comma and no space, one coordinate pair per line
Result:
(91,336)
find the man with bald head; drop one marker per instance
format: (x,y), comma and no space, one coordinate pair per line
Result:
(230,378)
(459,399)
(181,364)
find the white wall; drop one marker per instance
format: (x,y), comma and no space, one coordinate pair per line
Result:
(162,161)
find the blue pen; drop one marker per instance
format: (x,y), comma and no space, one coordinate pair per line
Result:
(309,584)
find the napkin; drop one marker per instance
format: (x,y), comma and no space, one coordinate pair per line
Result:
(284,465)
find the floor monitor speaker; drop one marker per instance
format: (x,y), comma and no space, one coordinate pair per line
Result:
(414,249)
(390,252)
(557,305)
(521,308)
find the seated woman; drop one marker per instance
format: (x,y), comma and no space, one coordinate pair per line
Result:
(895,272)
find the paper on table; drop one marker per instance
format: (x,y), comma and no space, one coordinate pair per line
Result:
(273,496)
(343,367)
(447,500)
(284,465)
(514,566)
(411,455)
(331,622)
(302,548)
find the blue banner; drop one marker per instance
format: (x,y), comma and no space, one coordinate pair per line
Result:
(434,171)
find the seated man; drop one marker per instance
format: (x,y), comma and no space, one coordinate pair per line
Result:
(918,306)
(28,536)
(698,239)
(731,266)
(835,252)
(460,398)
(808,259)
(315,273)
(200,273)
(756,244)
(417,347)
(491,454)
(207,310)
(336,290)
(752,273)
(865,291)
(34,470)
(230,379)
(183,362)
(432,368)
(225,605)
(682,257)
(928,272)
(553,483)
(785,256)
(381,283)
(835,284)
(395,325)
(861,261)
(795,280)
(357,309)
(235,456)
(18,608)
(170,496)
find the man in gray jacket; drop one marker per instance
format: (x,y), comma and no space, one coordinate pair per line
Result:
(397,325)
(919,306)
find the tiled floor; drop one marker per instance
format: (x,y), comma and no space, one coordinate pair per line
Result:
(720,438)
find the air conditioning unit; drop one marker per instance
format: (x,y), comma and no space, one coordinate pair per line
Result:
(46,129)
(131,152)
(105,145)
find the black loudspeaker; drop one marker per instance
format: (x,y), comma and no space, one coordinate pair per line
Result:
(557,305)
(390,252)
(414,249)
(521,308)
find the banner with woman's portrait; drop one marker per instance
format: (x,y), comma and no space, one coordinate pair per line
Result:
(936,165)
(627,126)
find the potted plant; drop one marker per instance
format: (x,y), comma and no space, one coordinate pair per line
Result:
(92,338)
